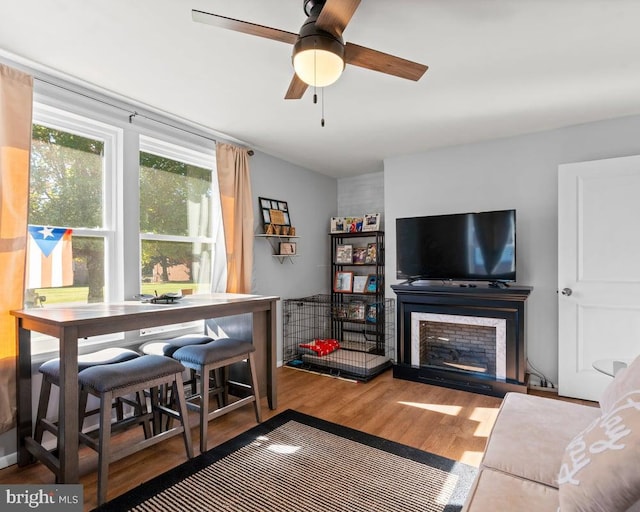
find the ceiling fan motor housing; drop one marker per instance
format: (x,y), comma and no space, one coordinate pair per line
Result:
(313,38)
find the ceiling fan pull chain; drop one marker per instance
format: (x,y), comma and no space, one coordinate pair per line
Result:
(315,78)
(322,105)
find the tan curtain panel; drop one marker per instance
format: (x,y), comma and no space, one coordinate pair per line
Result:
(237,215)
(16,100)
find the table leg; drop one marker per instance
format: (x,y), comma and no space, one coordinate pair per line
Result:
(24,406)
(68,407)
(272,392)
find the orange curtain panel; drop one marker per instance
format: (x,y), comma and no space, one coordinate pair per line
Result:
(16,100)
(234,180)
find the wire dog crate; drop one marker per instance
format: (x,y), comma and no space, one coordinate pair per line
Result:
(322,336)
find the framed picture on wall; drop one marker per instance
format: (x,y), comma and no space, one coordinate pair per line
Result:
(274,212)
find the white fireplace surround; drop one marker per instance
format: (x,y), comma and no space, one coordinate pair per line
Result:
(499,324)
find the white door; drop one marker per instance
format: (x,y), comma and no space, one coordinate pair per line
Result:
(598,270)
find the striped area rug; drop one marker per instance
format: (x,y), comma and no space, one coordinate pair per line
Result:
(297,463)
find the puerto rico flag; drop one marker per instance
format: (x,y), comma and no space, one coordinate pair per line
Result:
(49,257)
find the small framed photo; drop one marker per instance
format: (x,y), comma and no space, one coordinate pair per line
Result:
(337,225)
(372,254)
(343,282)
(359,255)
(277,217)
(344,254)
(288,248)
(372,284)
(357,310)
(372,313)
(359,283)
(353,224)
(341,311)
(371,222)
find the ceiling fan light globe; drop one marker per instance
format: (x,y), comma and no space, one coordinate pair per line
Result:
(318,68)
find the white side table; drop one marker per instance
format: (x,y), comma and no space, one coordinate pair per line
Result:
(609,366)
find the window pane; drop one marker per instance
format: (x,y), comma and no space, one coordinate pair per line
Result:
(66,179)
(88,276)
(66,191)
(174,266)
(175,197)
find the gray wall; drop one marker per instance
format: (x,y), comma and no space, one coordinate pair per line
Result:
(520,173)
(312,201)
(358,195)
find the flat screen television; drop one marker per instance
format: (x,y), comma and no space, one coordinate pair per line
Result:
(459,247)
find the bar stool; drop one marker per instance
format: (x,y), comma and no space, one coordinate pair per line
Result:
(208,357)
(167,348)
(108,382)
(50,371)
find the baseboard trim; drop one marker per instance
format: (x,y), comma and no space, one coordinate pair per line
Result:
(8,460)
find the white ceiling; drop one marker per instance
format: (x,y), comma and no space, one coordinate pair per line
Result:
(496,68)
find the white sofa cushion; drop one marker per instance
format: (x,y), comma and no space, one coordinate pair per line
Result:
(494,491)
(531,433)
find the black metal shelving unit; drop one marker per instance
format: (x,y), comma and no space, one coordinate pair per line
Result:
(343,324)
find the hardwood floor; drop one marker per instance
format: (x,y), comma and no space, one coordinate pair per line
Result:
(454,424)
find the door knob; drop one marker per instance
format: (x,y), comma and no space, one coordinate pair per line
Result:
(567,291)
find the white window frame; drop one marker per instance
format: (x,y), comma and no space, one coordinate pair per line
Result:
(78,113)
(203,159)
(111,136)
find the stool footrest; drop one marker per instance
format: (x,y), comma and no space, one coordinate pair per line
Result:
(230,407)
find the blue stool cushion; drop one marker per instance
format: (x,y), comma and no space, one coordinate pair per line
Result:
(106,356)
(135,371)
(168,347)
(214,351)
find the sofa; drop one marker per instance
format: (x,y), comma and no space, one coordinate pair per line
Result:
(546,454)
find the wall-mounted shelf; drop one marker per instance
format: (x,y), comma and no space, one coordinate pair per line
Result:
(275,241)
(283,257)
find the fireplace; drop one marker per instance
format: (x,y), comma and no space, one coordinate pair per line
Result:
(468,338)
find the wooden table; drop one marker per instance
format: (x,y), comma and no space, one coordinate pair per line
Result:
(72,323)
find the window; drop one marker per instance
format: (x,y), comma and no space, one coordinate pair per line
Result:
(71,181)
(176,230)
(146,230)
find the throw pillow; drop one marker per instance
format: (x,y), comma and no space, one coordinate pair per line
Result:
(625,380)
(320,347)
(599,470)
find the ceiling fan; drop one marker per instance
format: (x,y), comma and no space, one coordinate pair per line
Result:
(319,52)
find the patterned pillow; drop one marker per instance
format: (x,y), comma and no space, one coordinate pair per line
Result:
(625,380)
(599,470)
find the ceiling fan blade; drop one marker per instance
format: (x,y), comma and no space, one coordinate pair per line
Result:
(296,89)
(243,26)
(335,15)
(383,62)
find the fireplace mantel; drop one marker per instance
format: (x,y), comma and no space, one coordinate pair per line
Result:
(482,301)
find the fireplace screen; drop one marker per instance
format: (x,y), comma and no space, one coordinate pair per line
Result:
(459,343)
